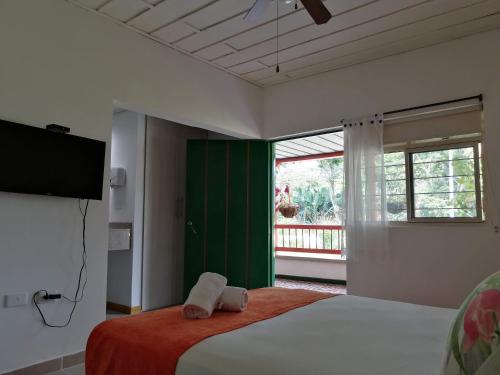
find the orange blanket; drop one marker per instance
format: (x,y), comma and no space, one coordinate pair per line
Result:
(152,342)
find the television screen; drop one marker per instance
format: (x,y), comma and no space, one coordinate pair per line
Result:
(39,161)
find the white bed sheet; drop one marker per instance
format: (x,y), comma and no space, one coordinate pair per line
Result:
(344,335)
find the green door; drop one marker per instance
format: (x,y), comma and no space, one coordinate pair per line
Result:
(229,204)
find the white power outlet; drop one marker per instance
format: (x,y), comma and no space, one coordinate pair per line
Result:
(14,300)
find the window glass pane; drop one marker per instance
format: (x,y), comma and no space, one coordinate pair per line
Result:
(444,183)
(481,177)
(395,186)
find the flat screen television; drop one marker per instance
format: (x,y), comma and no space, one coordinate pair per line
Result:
(38,161)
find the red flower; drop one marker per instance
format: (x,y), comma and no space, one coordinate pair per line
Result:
(287,189)
(481,318)
(277,191)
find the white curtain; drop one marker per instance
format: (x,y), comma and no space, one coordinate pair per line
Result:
(365,199)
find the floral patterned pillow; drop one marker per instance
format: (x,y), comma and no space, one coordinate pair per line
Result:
(475,335)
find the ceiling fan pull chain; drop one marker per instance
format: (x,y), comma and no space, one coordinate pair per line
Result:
(277,38)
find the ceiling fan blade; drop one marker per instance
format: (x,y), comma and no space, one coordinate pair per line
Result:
(257,10)
(318,11)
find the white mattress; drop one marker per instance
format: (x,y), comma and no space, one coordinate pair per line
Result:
(345,335)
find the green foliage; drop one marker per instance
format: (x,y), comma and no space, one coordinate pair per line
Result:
(315,204)
(444,183)
(444,186)
(317,187)
(395,177)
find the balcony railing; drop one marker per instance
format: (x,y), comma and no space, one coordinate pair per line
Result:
(305,238)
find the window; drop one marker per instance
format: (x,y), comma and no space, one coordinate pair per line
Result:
(439,183)
(395,186)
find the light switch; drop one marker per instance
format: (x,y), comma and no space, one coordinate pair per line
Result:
(119,239)
(13,300)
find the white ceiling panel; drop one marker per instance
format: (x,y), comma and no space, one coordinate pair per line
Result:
(227,29)
(217,12)
(373,42)
(248,67)
(282,148)
(123,10)
(309,145)
(327,144)
(281,154)
(215,32)
(310,34)
(274,80)
(215,51)
(336,138)
(426,11)
(175,32)
(432,38)
(93,4)
(167,12)
(268,31)
(286,24)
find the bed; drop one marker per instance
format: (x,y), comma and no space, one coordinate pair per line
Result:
(320,334)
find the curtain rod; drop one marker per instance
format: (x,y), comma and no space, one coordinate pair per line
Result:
(340,127)
(479,97)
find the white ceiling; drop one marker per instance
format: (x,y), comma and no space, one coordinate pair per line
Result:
(312,145)
(215,32)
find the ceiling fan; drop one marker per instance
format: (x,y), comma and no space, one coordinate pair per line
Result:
(318,11)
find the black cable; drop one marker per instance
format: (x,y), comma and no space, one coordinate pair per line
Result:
(84,255)
(80,287)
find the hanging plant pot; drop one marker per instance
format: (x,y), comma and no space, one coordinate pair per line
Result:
(289,210)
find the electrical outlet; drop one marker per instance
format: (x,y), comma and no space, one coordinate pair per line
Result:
(40,299)
(14,300)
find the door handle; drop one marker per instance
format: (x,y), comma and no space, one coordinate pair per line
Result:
(190,226)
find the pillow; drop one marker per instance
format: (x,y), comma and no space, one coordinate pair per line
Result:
(474,338)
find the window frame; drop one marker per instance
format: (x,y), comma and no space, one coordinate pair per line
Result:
(439,146)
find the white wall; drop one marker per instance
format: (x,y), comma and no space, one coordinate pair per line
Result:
(430,264)
(61,64)
(126,205)
(164,217)
(318,268)
(138,213)
(124,144)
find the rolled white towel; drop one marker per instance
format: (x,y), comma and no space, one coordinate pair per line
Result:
(203,298)
(233,299)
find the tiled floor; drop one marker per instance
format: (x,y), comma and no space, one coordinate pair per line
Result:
(111,314)
(75,370)
(320,287)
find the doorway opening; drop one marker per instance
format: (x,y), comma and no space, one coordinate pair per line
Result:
(146,211)
(309,237)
